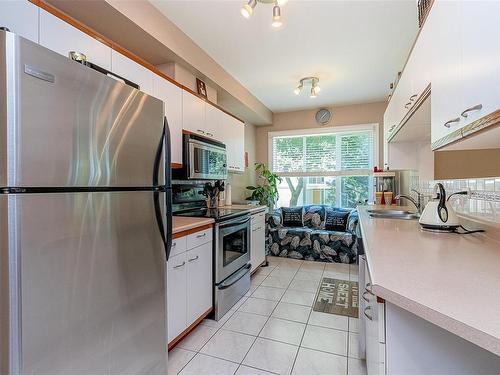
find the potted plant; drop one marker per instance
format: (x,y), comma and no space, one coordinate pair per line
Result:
(267,191)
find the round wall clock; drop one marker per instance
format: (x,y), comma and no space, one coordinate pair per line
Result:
(323,116)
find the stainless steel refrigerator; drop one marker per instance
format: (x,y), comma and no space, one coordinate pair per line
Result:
(85,219)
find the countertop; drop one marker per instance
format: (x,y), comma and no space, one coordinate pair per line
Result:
(180,223)
(451,280)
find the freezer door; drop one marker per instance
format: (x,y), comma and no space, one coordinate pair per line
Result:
(71,126)
(92,276)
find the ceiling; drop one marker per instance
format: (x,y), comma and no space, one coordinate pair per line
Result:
(355,47)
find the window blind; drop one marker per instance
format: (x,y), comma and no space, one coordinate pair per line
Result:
(323,154)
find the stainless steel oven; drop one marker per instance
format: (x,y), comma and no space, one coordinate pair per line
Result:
(203,159)
(232,262)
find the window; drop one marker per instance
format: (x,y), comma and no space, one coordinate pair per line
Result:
(325,166)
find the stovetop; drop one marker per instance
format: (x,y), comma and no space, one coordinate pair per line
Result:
(218,214)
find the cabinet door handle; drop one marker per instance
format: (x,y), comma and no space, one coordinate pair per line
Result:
(193,259)
(413,97)
(200,131)
(448,123)
(475,108)
(368,288)
(180,265)
(368,308)
(210,134)
(364,296)
(174,244)
(407,105)
(256,229)
(201,235)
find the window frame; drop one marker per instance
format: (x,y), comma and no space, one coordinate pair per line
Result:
(344,129)
(318,131)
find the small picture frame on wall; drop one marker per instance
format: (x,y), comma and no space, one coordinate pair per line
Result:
(202,88)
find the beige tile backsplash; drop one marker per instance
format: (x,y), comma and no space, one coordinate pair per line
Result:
(482,202)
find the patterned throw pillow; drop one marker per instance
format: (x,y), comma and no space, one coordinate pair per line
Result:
(292,216)
(336,220)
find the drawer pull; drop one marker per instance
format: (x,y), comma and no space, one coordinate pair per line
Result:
(256,229)
(364,296)
(180,265)
(413,97)
(201,235)
(368,308)
(475,108)
(448,123)
(193,259)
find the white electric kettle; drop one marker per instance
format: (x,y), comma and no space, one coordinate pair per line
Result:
(438,214)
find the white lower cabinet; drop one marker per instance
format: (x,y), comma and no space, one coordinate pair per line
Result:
(258,240)
(20,17)
(176,295)
(399,342)
(61,37)
(199,281)
(374,329)
(189,281)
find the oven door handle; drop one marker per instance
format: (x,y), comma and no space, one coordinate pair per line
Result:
(234,223)
(235,278)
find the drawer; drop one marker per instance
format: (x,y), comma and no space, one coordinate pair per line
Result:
(179,245)
(199,238)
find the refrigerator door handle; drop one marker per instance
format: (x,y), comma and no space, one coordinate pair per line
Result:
(158,190)
(168,185)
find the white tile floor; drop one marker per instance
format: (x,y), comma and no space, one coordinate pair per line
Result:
(273,329)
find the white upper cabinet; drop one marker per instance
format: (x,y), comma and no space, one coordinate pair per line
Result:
(213,122)
(234,138)
(193,113)
(446,81)
(171,95)
(480,59)
(20,17)
(63,38)
(129,69)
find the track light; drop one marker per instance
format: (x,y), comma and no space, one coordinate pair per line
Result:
(298,89)
(248,8)
(277,16)
(315,89)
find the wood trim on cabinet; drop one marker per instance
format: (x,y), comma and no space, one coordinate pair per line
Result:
(118,48)
(175,165)
(184,333)
(191,231)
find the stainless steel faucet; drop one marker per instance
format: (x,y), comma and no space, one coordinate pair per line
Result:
(418,203)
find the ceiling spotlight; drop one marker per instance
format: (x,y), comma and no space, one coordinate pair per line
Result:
(315,89)
(248,8)
(277,16)
(298,89)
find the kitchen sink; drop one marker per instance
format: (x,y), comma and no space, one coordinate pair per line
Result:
(394,214)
